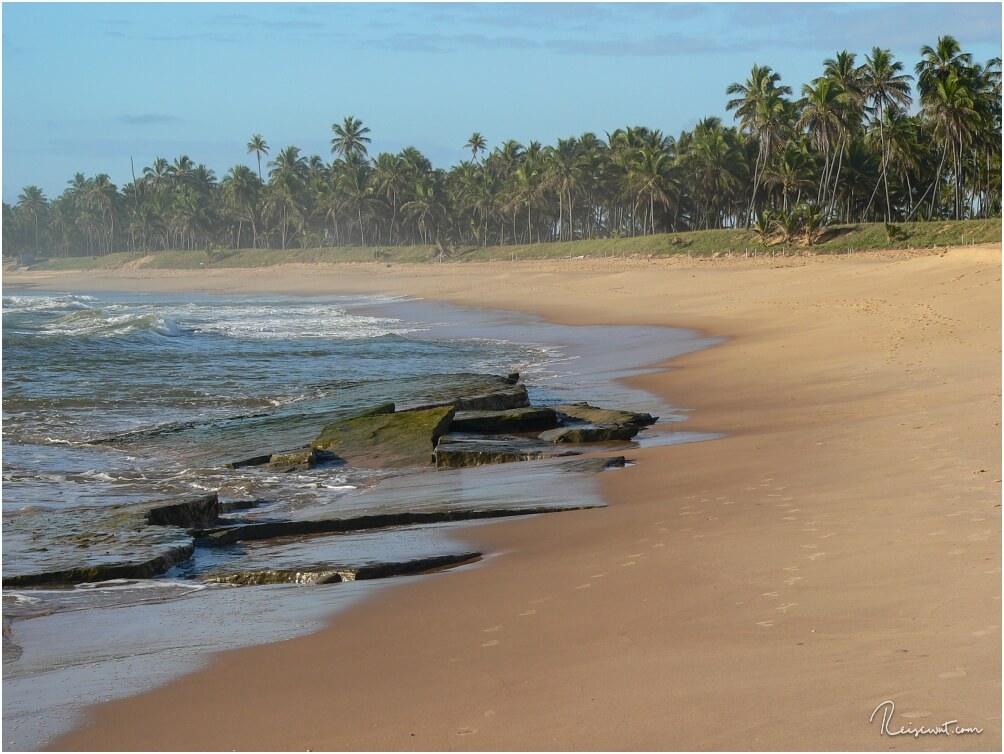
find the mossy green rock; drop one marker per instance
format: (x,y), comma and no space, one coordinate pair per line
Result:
(528,419)
(294,460)
(403,438)
(571,413)
(601,433)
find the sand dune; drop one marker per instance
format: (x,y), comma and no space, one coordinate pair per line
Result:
(839,548)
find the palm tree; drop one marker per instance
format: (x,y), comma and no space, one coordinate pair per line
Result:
(945,58)
(949,108)
(648,181)
(259,146)
(242,191)
(825,118)
(350,137)
(884,87)
(476,144)
(762,112)
(32,200)
(563,174)
(390,179)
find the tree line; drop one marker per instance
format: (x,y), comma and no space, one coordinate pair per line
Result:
(855,146)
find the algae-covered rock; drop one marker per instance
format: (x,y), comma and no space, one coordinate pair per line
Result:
(598,433)
(403,438)
(459,451)
(294,460)
(528,419)
(583,412)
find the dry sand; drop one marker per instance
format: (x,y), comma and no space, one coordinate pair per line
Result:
(841,547)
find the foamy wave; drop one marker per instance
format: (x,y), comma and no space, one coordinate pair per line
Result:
(46,303)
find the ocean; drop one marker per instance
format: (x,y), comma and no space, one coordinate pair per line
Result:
(114,399)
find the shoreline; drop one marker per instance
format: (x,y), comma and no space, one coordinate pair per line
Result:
(766,590)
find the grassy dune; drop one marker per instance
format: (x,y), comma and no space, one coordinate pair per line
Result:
(835,239)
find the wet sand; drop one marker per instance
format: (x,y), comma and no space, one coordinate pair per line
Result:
(839,548)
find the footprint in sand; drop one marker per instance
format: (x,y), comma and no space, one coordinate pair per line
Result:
(492,630)
(793,580)
(770,594)
(492,643)
(584,586)
(816,555)
(658,544)
(526,613)
(465,731)
(785,607)
(765,623)
(598,575)
(629,563)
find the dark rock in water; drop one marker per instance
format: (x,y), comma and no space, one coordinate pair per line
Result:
(294,460)
(583,412)
(458,451)
(513,397)
(474,392)
(512,378)
(404,438)
(197,512)
(528,419)
(592,465)
(597,433)
(99,543)
(255,461)
(334,574)
(227,535)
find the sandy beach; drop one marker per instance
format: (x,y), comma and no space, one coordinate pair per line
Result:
(840,548)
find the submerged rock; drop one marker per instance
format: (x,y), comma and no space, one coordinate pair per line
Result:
(80,545)
(253,461)
(528,419)
(403,438)
(226,535)
(571,413)
(322,574)
(593,465)
(458,451)
(595,433)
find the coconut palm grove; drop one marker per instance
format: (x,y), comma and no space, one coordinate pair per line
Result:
(866,141)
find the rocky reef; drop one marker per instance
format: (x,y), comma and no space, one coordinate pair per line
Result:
(463,421)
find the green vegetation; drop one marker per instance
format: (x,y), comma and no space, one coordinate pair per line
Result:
(847,152)
(702,243)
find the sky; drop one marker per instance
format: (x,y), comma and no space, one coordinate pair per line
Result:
(87,86)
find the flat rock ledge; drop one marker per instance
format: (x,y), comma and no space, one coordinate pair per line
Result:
(459,451)
(597,433)
(138,541)
(227,535)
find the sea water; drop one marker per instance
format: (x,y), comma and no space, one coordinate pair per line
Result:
(124,398)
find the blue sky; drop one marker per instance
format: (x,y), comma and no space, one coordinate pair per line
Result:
(87,85)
